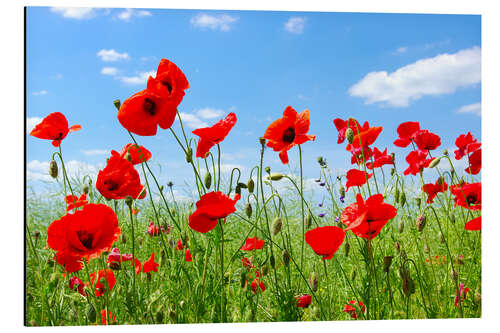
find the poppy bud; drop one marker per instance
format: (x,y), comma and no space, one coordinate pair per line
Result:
(53,170)
(265,269)
(452,170)
(402,198)
(419,202)
(393,155)
(128,157)
(408,286)
(159,315)
(139,240)
(161,188)
(308,221)
(117,104)
(250,185)
(397,246)
(189,155)
(393,171)
(123,238)
(401,226)
(445,152)
(248,210)
(277,224)
(238,190)
(313,281)
(276,176)
(441,238)
(421,222)
(461,181)
(36,234)
(452,218)
(454,275)
(129,200)
(90,311)
(172,314)
(396,195)
(262,141)
(349,134)
(342,191)
(286,257)
(434,162)
(272,261)
(267,169)
(173,211)
(353,275)
(320,160)
(387,263)
(346,249)
(208,180)
(242,185)
(115,265)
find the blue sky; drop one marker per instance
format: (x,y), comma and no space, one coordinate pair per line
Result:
(383,68)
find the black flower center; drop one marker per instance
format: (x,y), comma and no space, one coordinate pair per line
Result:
(111,185)
(149,106)
(289,135)
(168,85)
(85,238)
(471,198)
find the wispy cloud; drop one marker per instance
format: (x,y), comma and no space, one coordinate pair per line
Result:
(93,152)
(209,113)
(109,71)
(57,76)
(111,55)
(401,49)
(221,22)
(196,119)
(471,108)
(127,14)
(295,24)
(77,13)
(139,78)
(40,93)
(192,120)
(443,74)
(39,170)
(31,122)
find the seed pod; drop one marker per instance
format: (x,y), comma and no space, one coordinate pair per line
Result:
(408,286)
(129,200)
(91,314)
(53,170)
(262,141)
(402,198)
(434,163)
(313,281)
(248,210)
(277,224)
(272,261)
(349,134)
(421,222)
(346,249)
(208,180)
(85,189)
(401,226)
(308,221)
(342,190)
(387,263)
(250,185)
(189,155)
(275,176)
(117,104)
(286,257)
(397,246)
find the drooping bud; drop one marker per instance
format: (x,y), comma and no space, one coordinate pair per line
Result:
(387,263)
(275,176)
(313,281)
(346,249)
(53,170)
(267,169)
(445,152)
(397,246)
(36,234)
(277,224)
(91,314)
(248,210)
(85,189)
(117,104)
(286,257)
(308,221)
(208,180)
(434,162)
(408,286)
(342,190)
(421,222)
(242,185)
(402,198)
(272,261)
(237,190)
(353,275)
(349,134)
(250,185)
(401,226)
(265,269)
(128,157)
(189,155)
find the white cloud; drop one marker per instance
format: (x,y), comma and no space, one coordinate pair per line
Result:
(402,49)
(39,170)
(57,76)
(140,78)
(92,152)
(31,122)
(109,71)
(442,74)
(471,108)
(128,13)
(77,13)
(40,93)
(209,113)
(214,22)
(111,55)
(192,120)
(227,168)
(295,25)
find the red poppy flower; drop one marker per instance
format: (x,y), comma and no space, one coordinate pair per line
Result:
(253,243)
(367,218)
(467,195)
(170,83)
(187,256)
(417,161)
(247,263)
(426,140)
(288,131)
(358,155)
(258,286)
(179,245)
(70,262)
(474,224)
(343,125)
(211,207)
(104,283)
(155,230)
(116,256)
(351,308)
(475,163)
(466,144)
(356,177)
(135,153)
(137,265)
(325,241)
(54,127)
(71,200)
(119,179)
(379,159)
(366,137)
(104,318)
(150,265)
(85,233)
(303,301)
(76,284)
(406,132)
(433,189)
(461,294)
(210,136)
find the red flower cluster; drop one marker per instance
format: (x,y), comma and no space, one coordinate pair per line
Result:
(253,243)
(157,105)
(54,127)
(379,159)
(156,230)
(119,179)
(433,189)
(105,281)
(468,146)
(209,209)
(325,241)
(353,307)
(467,195)
(72,200)
(210,136)
(356,177)
(303,301)
(76,284)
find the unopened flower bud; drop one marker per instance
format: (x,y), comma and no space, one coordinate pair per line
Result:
(393,156)
(320,160)
(265,269)
(267,169)
(277,224)
(237,190)
(272,261)
(349,134)
(91,314)
(248,210)
(36,234)
(393,171)
(128,157)
(408,286)
(401,226)
(85,189)
(454,275)
(250,185)
(445,152)
(139,240)
(434,163)
(123,238)
(396,195)
(189,155)
(353,275)
(286,257)
(275,176)
(397,246)
(53,170)
(208,180)
(347,247)
(243,278)
(387,263)
(342,191)
(421,222)
(452,218)
(117,104)
(402,198)
(461,181)
(313,281)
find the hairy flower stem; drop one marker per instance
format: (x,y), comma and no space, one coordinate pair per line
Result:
(133,252)
(65,176)
(303,236)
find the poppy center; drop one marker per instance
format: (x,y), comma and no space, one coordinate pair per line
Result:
(168,85)
(149,106)
(85,238)
(471,198)
(289,135)
(111,185)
